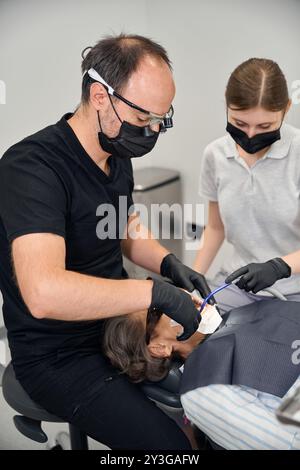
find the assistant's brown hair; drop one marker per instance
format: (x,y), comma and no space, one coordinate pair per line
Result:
(257,82)
(115,58)
(125,342)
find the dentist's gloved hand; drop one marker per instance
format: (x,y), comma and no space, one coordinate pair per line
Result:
(258,276)
(178,305)
(185,277)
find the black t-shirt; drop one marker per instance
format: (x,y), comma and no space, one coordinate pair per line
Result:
(48,183)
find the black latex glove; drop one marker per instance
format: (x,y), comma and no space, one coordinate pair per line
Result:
(258,276)
(185,277)
(178,305)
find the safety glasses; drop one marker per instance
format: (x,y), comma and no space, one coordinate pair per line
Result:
(165,121)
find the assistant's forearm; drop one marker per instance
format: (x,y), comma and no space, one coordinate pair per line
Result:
(210,244)
(293,260)
(71,296)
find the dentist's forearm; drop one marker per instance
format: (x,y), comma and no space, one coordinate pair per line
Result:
(145,252)
(71,296)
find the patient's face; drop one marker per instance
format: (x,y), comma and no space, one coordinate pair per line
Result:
(163,341)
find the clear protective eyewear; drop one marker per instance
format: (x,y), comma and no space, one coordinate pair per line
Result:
(165,121)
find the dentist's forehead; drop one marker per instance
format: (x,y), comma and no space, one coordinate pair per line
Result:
(151,86)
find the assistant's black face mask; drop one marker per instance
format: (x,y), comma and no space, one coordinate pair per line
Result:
(257,142)
(131,141)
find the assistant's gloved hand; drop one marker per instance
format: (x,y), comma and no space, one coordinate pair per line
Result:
(178,305)
(185,277)
(258,276)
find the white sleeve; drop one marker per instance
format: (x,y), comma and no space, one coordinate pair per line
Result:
(208,180)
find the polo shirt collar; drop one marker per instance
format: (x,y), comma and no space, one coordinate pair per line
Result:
(278,150)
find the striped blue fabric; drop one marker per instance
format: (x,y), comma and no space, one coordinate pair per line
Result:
(237,417)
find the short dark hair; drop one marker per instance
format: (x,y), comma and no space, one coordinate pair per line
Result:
(115,58)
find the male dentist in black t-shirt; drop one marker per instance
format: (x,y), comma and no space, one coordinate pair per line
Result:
(59,278)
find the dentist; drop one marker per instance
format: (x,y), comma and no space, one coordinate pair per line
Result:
(60,278)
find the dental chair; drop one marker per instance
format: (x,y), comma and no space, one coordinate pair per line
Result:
(30,416)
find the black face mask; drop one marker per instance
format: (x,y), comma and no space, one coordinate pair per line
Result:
(131,141)
(257,142)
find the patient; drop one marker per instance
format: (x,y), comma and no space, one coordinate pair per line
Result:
(232,382)
(143,344)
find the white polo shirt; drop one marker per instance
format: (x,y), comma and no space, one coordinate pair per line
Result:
(259,206)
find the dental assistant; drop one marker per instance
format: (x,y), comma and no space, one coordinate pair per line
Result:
(251,180)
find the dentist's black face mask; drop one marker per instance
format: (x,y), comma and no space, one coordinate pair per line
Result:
(257,142)
(131,141)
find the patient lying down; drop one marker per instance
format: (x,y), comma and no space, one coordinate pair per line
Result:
(240,372)
(143,344)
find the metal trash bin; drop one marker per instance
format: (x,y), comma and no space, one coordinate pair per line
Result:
(158,186)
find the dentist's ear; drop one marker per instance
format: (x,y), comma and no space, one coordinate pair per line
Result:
(99,96)
(159,350)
